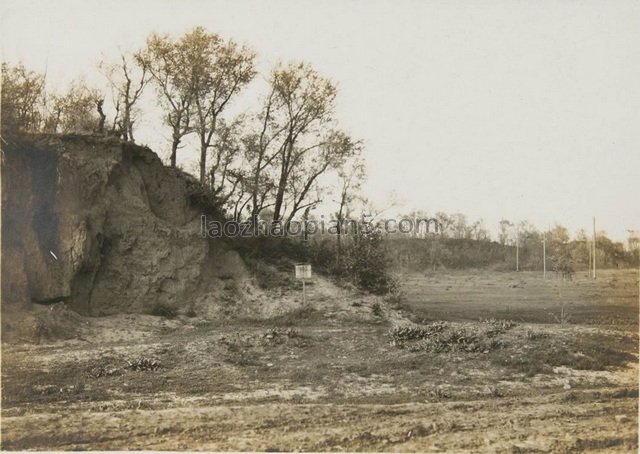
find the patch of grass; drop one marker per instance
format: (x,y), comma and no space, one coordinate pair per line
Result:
(295,317)
(103,371)
(362,369)
(497,327)
(441,337)
(144,364)
(536,335)
(528,365)
(244,358)
(240,351)
(439,393)
(625,393)
(599,351)
(563,317)
(586,352)
(582,445)
(412,332)
(275,333)
(290,336)
(308,375)
(453,340)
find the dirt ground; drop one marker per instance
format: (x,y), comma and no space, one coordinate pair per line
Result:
(463,362)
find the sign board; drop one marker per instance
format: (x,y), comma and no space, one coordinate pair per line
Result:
(303,271)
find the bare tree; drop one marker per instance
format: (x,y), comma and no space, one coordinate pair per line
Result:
(292,143)
(101,114)
(76,111)
(303,103)
(220,71)
(307,168)
(446,223)
(196,76)
(127,81)
(351,175)
(225,171)
(505,231)
(260,153)
(170,65)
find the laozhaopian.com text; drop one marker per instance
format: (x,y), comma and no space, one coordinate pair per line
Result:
(247,229)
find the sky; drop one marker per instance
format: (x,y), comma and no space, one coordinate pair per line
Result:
(523,110)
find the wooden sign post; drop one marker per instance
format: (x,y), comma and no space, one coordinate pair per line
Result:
(303,271)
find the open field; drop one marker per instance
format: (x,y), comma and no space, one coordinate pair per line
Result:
(612,299)
(475,361)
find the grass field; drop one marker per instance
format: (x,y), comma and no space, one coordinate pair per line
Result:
(465,361)
(612,299)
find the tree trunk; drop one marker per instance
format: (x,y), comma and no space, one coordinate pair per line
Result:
(103,117)
(174,151)
(126,122)
(203,161)
(339,232)
(282,184)
(279,199)
(205,142)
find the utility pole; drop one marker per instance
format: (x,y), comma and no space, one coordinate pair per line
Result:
(594,247)
(304,293)
(636,234)
(544,255)
(590,256)
(517,249)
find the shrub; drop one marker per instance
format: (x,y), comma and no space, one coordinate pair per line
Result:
(440,337)
(414,332)
(143,364)
(367,265)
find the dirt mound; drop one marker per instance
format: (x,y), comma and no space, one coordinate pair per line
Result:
(101,225)
(37,323)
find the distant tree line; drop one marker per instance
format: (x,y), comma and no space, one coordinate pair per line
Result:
(463,244)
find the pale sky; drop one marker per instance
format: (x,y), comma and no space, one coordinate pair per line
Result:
(497,109)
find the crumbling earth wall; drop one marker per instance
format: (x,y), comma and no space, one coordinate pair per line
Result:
(101,225)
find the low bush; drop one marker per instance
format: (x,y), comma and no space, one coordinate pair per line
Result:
(367,264)
(144,364)
(439,337)
(414,332)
